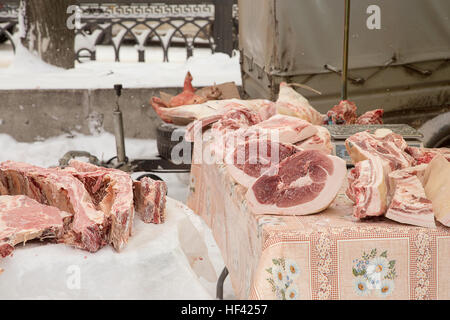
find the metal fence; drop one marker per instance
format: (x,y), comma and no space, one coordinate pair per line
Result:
(188,23)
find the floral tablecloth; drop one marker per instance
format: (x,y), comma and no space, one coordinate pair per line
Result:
(321,256)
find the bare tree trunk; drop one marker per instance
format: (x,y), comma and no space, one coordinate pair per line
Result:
(46,33)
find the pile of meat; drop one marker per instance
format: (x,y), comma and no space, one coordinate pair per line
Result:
(82,205)
(406,184)
(278,151)
(193,105)
(345,113)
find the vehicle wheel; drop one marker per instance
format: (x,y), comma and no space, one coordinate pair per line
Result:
(165,134)
(436,131)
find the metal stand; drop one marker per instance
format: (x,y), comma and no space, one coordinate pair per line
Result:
(220,281)
(345,51)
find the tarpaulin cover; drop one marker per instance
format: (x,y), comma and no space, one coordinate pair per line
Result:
(291,37)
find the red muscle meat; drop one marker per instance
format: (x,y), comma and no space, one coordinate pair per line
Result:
(251,159)
(150,200)
(343,113)
(112,193)
(188,95)
(23,219)
(304,183)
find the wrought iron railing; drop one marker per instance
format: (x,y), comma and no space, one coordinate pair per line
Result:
(188,23)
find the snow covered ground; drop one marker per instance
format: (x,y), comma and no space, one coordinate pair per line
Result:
(187,234)
(25,71)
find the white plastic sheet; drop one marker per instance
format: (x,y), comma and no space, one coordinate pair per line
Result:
(168,261)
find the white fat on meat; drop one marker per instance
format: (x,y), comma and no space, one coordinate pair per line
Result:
(23,219)
(287,129)
(304,183)
(409,203)
(250,160)
(292,103)
(437,188)
(368,188)
(320,141)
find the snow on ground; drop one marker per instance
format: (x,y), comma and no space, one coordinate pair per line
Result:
(25,71)
(186,233)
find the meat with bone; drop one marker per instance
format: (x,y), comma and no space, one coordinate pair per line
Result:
(304,183)
(23,219)
(425,155)
(437,188)
(150,200)
(60,189)
(214,111)
(368,188)
(343,113)
(320,141)
(251,159)
(371,117)
(292,103)
(409,203)
(288,129)
(388,146)
(112,193)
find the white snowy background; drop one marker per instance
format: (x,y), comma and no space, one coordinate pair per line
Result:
(175,260)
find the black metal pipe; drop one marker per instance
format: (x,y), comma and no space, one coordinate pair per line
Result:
(345,50)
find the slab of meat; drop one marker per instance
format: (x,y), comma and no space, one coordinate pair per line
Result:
(343,113)
(288,129)
(409,203)
(112,193)
(292,103)
(251,159)
(371,117)
(388,146)
(58,188)
(23,219)
(150,200)
(304,183)
(437,188)
(368,188)
(320,141)
(425,155)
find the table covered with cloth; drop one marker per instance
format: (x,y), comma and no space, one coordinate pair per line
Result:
(327,255)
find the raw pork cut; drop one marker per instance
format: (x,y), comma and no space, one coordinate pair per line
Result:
(388,146)
(292,103)
(371,117)
(437,188)
(304,183)
(288,129)
(343,113)
(409,203)
(150,200)
(23,219)
(112,193)
(425,155)
(213,111)
(367,188)
(320,141)
(58,188)
(251,159)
